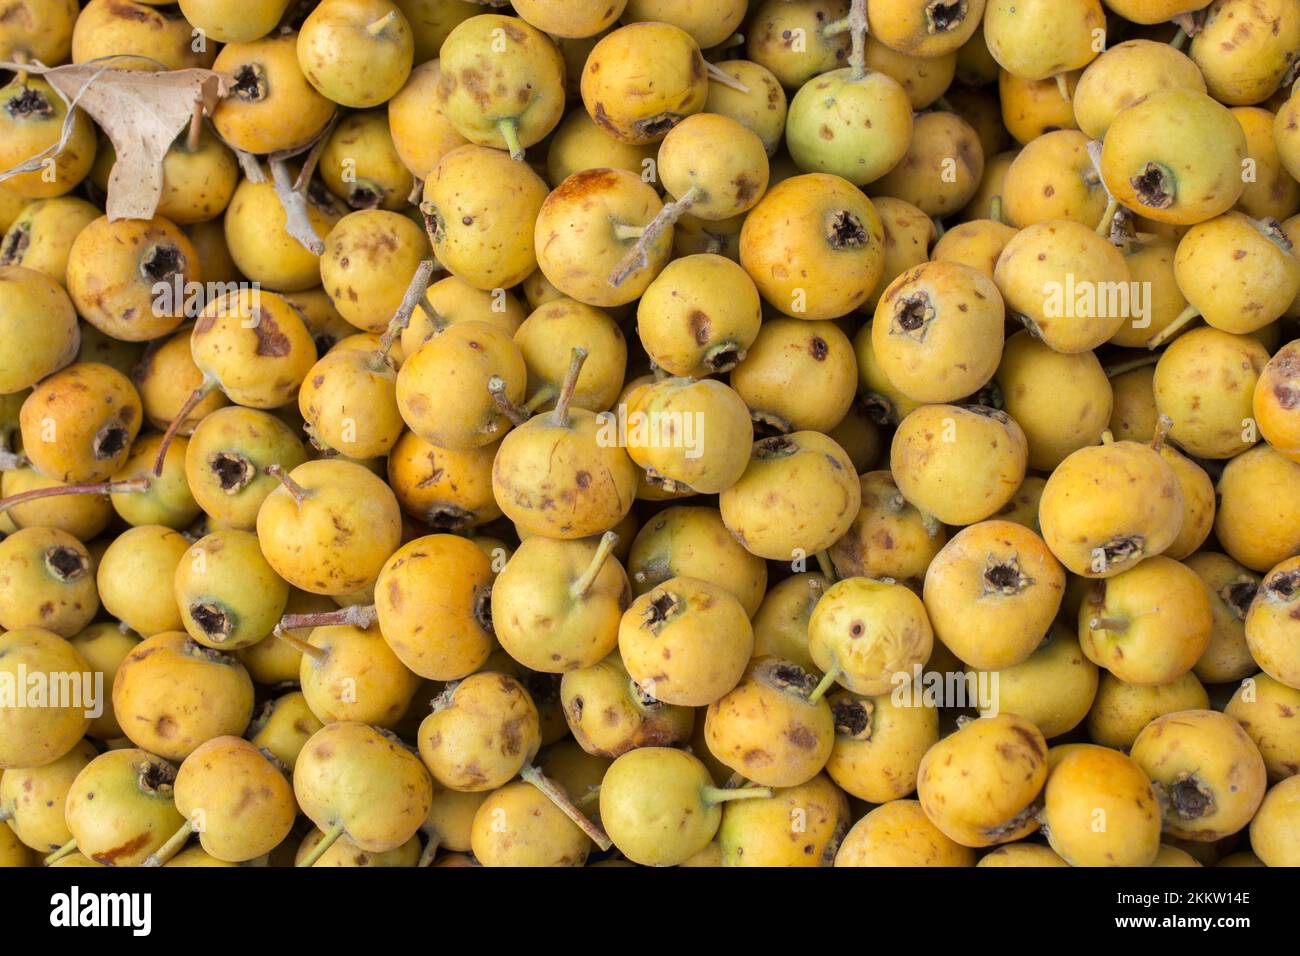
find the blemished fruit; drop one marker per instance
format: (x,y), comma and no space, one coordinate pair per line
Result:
(780,432)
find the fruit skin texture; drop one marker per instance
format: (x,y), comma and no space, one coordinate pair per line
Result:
(1120,711)
(343,60)
(977,784)
(609,715)
(369,258)
(805,516)
(1041,38)
(273,107)
(421,134)
(1239,272)
(1273,831)
(874,632)
(921,30)
(879,745)
(1052,688)
(942,168)
(857,128)
(259,244)
(481,736)
(536,831)
(830,229)
(120,808)
(37,736)
(1091,519)
(39,322)
(226,461)
(959,464)
(1208,768)
(1246,49)
(501,199)
(799,375)
(1125,75)
(758,832)
(247,802)
(33,798)
(1254,522)
(146,554)
(889,537)
(46,582)
(937,331)
(78,424)
(652,806)
(703,628)
(1204,381)
(642,79)
(31,120)
(1271,623)
(1267,710)
(228,595)
(1094,783)
(1276,401)
(900,833)
(337,539)
(767,730)
(429,598)
(1175,158)
(171,695)
(993,578)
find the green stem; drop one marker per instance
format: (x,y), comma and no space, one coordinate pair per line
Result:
(430,850)
(321,848)
(560,415)
(67,849)
(1170,330)
(508,127)
(1112,207)
(555,793)
(1120,368)
(995,209)
(715,795)
(318,654)
(603,550)
(173,845)
(1179,40)
(827,566)
(825,684)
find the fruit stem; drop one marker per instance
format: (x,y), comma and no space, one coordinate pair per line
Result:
(1107,624)
(196,126)
(355,615)
(555,793)
(639,257)
(174,426)
(1179,39)
(995,209)
(173,845)
(717,74)
(825,683)
(508,127)
(67,849)
(90,488)
(496,387)
(415,295)
(318,654)
(1163,424)
(321,848)
(296,491)
(20,57)
(1119,369)
(382,24)
(1165,334)
(1063,87)
(430,850)
(624,231)
(1108,437)
(560,414)
(828,567)
(603,550)
(1112,207)
(715,795)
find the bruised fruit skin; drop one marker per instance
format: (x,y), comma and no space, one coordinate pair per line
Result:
(1267,710)
(937,332)
(993,578)
(1175,158)
(161,39)
(879,744)
(1273,623)
(579,144)
(32,799)
(826,226)
(889,537)
(699,316)
(1093,781)
(980,786)
(335,388)
(272,107)
(774,25)
(855,127)
(331,530)
(556,605)
(1125,75)
(518,825)
(481,208)
(481,735)
(586,226)
(609,714)
(46,581)
(690,460)
(1207,768)
(909,234)
(421,135)
(1274,193)
(171,694)
(686,642)
(38,321)
(942,168)
(78,424)
(959,464)
(643,79)
(1245,50)
(1053,177)
(356,779)
(779,516)
(42,234)
(767,729)
(39,29)
(432,598)
(763,109)
(1094,523)
(32,116)
(1149,624)
(357,53)
(120,808)
(869,635)
(501,82)
(715,184)
(227,458)
(369,258)
(758,832)
(245,799)
(228,595)
(260,245)
(900,833)
(1276,401)
(254,345)
(37,736)
(446,488)
(799,375)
